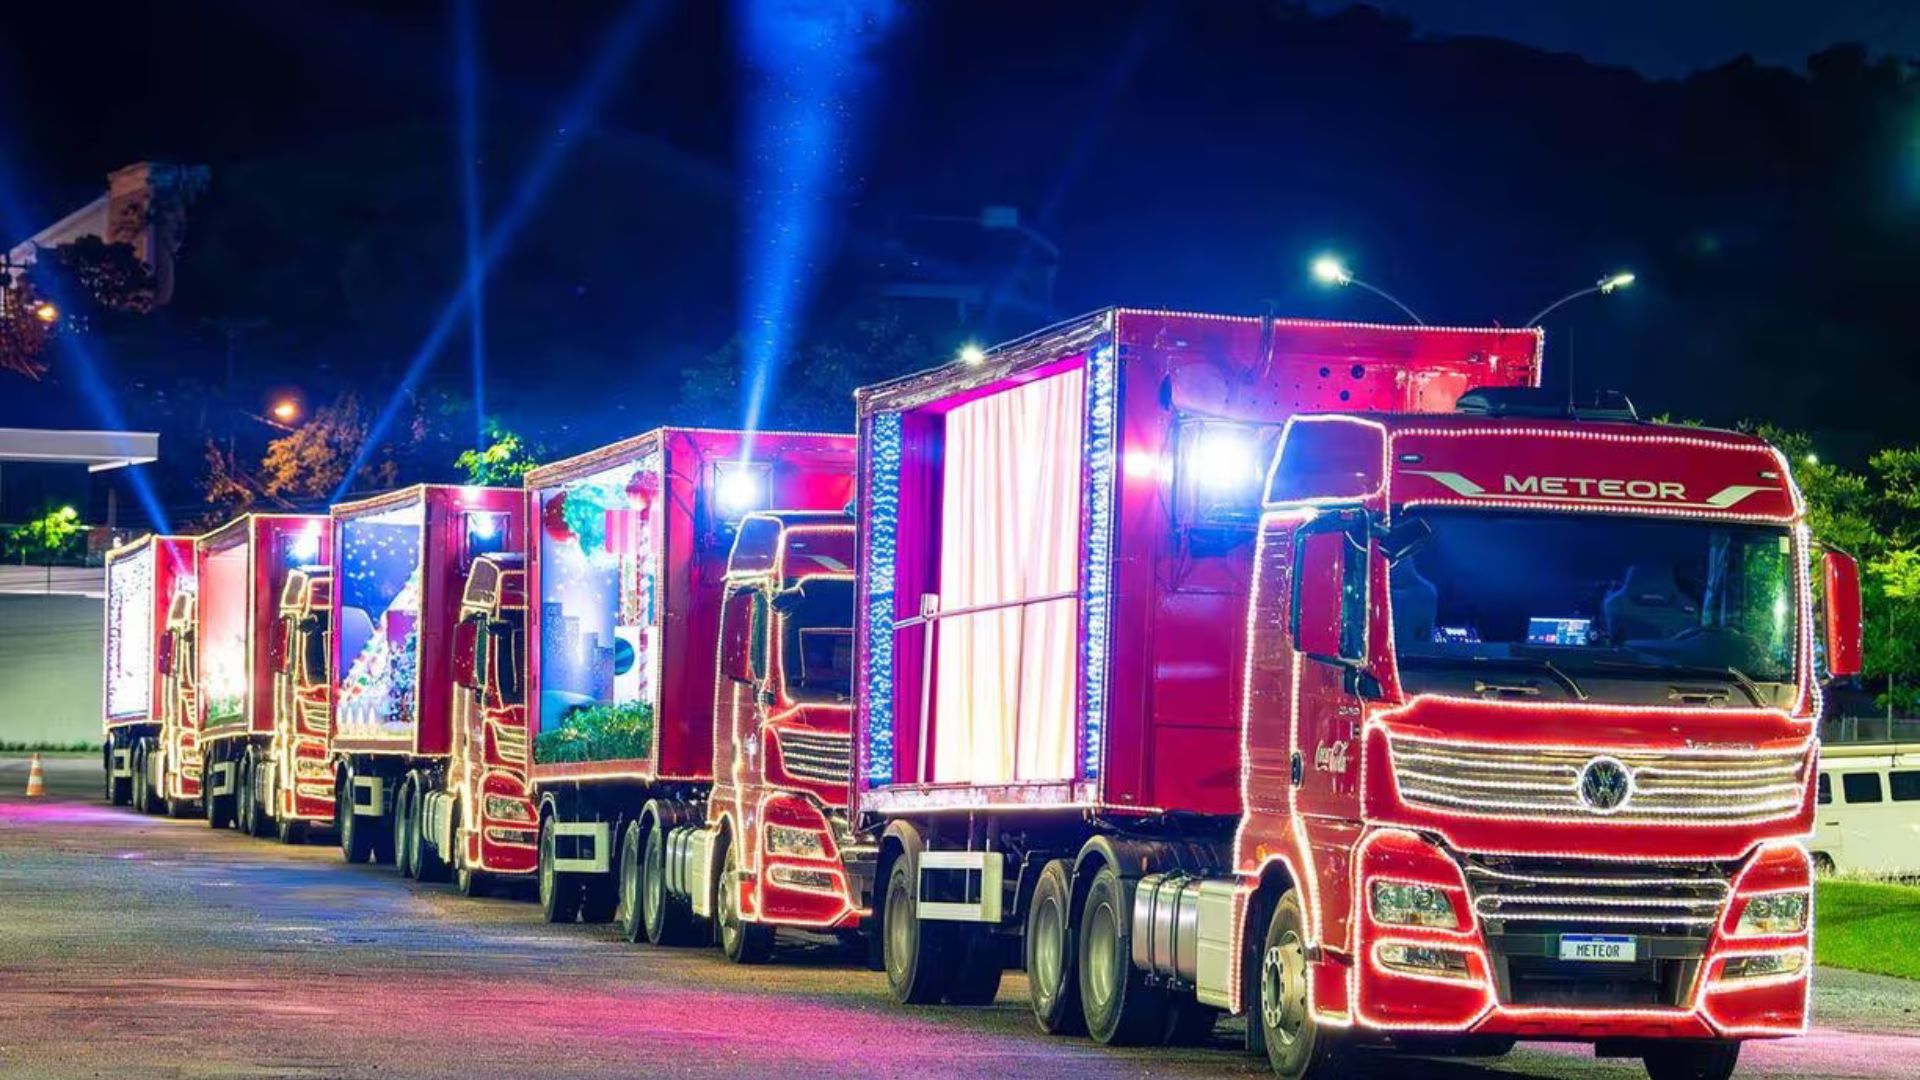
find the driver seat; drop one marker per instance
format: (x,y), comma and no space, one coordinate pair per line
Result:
(1649,605)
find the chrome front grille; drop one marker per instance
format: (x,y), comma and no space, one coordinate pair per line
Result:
(1524,905)
(1600,896)
(818,756)
(1677,787)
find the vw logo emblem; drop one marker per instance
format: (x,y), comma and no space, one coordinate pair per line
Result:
(1605,785)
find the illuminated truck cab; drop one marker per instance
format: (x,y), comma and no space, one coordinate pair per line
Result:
(1530,715)
(495,824)
(298,779)
(782,744)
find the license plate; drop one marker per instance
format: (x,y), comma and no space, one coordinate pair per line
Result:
(1599,948)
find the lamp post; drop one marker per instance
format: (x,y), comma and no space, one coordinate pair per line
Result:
(1604,286)
(1329,270)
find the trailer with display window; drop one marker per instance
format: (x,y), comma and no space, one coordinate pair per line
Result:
(148,752)
(246,741)
(626,583)
(400,748)
(1324,673)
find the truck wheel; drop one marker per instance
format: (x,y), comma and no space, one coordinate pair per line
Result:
(290,831)
(429,864)
(668,920)
(1297,1047)
(559,893)
(1693,1060)
(1120,1008)
(219,808)
(179,808)
(1053,976)
(742,941)
(470,882)
(139,793)
(914,950)
(406,811)
(356,840)
(256,822)
(633,925)
(983,959)
(242,792)
(150,801)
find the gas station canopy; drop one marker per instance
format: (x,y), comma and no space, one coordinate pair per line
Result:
(97,450)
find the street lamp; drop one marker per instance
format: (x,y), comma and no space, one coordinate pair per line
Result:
(1330,271)
(46,312)
(971,354)
(1604,286)
(286,410)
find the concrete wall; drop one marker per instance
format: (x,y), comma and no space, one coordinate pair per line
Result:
(50,669)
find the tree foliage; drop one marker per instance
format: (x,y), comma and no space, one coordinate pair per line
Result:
(504,460)
(47,537)
(1875,517)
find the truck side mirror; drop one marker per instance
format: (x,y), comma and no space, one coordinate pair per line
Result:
(1841,580)
(466,636)
(163,659)
(1330,595)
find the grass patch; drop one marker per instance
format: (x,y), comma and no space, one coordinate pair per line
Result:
(1868,926)
(83,747)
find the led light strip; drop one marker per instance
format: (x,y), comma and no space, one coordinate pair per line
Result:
(1096,579)
(883,532)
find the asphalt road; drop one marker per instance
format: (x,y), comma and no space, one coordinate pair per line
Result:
(133,946)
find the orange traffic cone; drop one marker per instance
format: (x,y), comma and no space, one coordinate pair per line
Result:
(36,779)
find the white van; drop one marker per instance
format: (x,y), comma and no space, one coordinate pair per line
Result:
(1868,817)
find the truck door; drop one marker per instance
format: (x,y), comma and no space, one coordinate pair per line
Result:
(1330,615)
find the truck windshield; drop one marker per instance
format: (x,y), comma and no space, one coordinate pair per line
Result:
(816,648)
(1597,606)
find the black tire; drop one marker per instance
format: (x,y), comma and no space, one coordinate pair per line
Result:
(1297,1047)
(356,839)
(151,801)
(429,863)
(179,808)
(256,821)
(1053,972)
(742,942)
(243,793)
(472,883)
(559,893)
(915,952)
(290,831)
(633,924)
(139,794)
(406,813)
(1704,1060)
(982,958)
(669,919)
(1120,1008)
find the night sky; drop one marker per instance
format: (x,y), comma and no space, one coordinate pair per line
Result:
(1186,154)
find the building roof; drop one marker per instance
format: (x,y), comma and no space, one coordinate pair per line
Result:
(97,450)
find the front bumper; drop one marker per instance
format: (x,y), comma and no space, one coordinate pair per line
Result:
(1500,972)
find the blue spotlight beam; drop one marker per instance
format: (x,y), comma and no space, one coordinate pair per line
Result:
(87,369)
(620,43)
(804,63)
(467,80)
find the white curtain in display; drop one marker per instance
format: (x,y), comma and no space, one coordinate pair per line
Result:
(1004,703)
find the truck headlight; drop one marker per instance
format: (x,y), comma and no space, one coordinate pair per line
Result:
(503,808)
(1774,913)
(1779,965)
(1400,903)
(794,842)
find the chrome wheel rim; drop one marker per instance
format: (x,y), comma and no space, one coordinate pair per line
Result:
(1102,950)
(1283,989)
(1049,945)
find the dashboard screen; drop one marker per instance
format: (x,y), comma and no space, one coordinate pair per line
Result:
(1552,631)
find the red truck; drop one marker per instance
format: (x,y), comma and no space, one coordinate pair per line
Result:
(1329,675)
(149,752)
(627,592)
(243,569)
(398,739)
